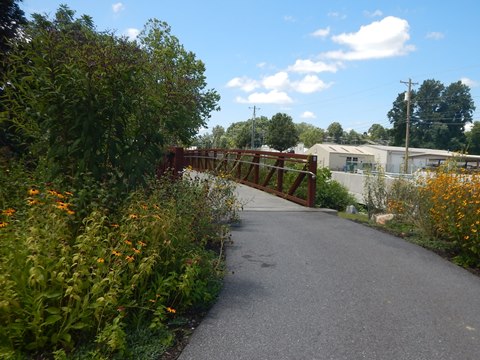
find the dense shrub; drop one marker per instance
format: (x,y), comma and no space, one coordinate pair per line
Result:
(145,264)
(330,193)
(443,205)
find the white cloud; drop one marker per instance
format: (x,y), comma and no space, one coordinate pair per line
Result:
(243,83)
(310,84)
(469,82)
(289,18)
(278,81)
(337,15)
(380,39)
(132,33)
(272,97)
(435,35)
(308,66)
(308,115)
(372,14)
(321,32)
(262,65)
(117,7)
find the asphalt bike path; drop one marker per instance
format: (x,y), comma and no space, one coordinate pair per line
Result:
(306,284)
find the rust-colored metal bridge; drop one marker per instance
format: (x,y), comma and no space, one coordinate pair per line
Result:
(290,176)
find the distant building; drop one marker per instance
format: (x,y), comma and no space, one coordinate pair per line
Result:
(342,157)
(392,158)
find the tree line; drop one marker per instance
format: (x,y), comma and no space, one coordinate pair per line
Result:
(438,120)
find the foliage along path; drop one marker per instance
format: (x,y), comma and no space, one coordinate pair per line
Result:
(303,284)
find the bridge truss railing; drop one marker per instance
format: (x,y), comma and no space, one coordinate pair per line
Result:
(291,176)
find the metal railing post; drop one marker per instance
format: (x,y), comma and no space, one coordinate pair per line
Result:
(312,181)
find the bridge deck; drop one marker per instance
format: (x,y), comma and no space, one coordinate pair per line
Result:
(308,285)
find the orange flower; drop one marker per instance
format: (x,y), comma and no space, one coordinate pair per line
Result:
(9,212)
(128,242)
(142,243)
(170,310)
(129,258)
(3,224)
(133,216)
(116,253)
(136,251)
(100,260)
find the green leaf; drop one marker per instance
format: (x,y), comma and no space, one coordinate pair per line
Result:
(52,319)
(52,310)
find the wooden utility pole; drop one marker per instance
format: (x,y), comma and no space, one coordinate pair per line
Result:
(407,127)
(253,126)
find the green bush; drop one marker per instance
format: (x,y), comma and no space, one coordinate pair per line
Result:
(145,264)
(330,193)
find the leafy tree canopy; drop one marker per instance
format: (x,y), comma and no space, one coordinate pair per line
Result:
(309,134)
(335,131)
(438,116)
(11,19)
(282,133)
(91,102)
(473,139)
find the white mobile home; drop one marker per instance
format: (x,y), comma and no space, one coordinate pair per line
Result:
(392,158)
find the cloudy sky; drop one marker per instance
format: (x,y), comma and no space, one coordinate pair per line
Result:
(318,61)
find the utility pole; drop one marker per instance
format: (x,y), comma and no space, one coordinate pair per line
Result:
(253,126)
(407,127)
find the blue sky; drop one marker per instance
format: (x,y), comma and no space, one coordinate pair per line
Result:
(318,61)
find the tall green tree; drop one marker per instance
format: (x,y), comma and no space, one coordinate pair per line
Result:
(12,18)
(309,134)
(438,116)
(90,102)
(239,134)
(282,133)
(335,131)
(219,139)
(354,138)
(377,132)
(473,139)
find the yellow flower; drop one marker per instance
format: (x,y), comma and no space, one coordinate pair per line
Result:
(32,202)
(170,310)
(33,192)
(129,258)
(62,206)
(116,253)
(3,224)
(56,193)
(128,242)
(142,243)
(136,251)
(9,212)
(133,216)
(70,212)
(100,260)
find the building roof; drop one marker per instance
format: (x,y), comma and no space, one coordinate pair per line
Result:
(340,149)
(395,148)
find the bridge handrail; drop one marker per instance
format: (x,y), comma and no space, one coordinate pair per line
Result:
(213,159)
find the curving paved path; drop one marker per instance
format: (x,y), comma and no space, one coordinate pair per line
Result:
(304,284)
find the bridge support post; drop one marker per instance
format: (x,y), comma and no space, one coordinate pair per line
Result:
(312,181)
